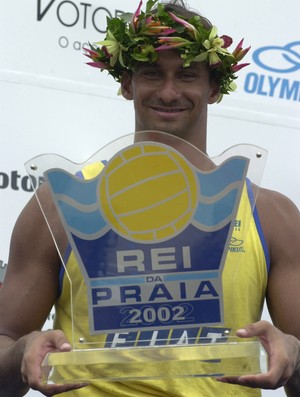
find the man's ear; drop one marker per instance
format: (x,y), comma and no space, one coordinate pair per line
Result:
(214,92)
(126,86)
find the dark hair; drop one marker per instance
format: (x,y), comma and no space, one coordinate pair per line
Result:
(180,8)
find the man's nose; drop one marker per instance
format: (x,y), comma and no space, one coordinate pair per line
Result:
(169,90)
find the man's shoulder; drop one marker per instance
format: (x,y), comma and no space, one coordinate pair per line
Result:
(279,217)
(271,200)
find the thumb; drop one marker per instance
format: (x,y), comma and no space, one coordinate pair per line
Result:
(260,329)
(65,347)
(60,341)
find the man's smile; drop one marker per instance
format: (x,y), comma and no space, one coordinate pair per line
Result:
(168,110)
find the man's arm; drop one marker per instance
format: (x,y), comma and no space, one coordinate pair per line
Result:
(280,221)
(27,295)
(21,360)
(10,359)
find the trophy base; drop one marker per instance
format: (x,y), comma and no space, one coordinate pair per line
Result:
(231,358)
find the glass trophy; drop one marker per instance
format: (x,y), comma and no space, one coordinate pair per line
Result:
(144,229)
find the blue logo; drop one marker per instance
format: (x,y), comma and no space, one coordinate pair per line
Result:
(278,59)
(281,60)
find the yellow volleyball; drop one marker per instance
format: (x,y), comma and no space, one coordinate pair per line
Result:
(148,192)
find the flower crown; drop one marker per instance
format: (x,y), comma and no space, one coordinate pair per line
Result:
(138,37)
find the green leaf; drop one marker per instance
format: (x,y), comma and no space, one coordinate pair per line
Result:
(126,16)
(150,4)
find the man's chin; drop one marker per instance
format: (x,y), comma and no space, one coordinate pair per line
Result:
(167,129)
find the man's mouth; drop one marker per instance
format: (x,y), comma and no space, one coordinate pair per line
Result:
(167,110)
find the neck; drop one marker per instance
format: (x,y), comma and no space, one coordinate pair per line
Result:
(196,139)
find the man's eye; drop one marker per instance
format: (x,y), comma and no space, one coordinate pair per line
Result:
(152,75)
(187,76)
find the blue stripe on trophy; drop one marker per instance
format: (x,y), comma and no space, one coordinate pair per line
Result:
(233,170)
(84,222)
(79,190)
(217,212)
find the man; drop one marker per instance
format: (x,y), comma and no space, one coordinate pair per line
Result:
(170,82)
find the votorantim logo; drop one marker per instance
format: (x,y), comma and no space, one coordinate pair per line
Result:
(70,16)
(76,13)
(15,181)
(279,77)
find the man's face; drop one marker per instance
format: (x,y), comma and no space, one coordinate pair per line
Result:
(171,98)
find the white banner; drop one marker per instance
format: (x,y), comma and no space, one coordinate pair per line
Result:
(51,101)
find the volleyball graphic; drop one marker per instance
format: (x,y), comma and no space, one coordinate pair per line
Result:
(148,192)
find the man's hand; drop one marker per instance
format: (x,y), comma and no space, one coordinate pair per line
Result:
(283,352)
(37,345)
